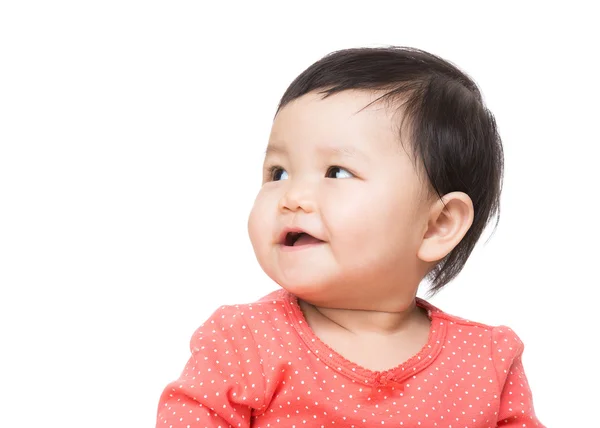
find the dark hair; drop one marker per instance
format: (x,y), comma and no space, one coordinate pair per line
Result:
(452,134)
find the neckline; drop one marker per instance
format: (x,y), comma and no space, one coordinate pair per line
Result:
(395,376)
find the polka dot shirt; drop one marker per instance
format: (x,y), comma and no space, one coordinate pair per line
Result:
(261,365)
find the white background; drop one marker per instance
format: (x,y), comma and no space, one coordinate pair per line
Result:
(131,141)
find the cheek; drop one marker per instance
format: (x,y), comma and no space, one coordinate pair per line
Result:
(371,220)
(260,221)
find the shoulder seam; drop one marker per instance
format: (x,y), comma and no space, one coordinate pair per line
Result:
(463,321)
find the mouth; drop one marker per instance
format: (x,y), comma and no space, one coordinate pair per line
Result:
(298,238)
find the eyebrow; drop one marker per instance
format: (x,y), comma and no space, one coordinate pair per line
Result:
(273,149)
(350,152)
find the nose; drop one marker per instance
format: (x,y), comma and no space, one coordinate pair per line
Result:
(298,197)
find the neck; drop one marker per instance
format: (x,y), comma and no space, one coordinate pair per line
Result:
(367,321)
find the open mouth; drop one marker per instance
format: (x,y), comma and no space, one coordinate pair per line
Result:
(296,239)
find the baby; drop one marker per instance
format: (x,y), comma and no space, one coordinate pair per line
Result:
(382,170)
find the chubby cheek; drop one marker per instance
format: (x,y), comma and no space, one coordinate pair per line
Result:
(260,225)
(370,228)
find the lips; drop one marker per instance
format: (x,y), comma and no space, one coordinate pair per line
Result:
(297,238)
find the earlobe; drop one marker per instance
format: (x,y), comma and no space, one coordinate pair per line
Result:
(449,221)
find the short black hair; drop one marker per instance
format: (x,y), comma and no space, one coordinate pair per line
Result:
(453,135)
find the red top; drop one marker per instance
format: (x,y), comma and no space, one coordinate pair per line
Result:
(261,365)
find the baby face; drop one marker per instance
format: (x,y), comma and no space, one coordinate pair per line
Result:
(341,212)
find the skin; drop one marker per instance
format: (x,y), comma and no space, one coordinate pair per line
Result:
(337,171)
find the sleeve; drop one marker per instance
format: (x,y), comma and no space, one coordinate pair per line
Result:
(222,381)
(516,401)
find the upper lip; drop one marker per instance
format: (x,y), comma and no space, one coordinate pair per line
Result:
(287,230)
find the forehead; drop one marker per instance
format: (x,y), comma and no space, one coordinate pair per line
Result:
(349,120)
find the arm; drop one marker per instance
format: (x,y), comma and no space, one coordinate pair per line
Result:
(516,401)
(222,381)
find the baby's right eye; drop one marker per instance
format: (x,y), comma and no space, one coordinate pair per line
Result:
(278,174)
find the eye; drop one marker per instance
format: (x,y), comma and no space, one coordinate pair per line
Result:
(337,172)
(278,173)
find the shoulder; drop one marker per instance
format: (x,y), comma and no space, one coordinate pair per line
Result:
(229,321)
(272,303)
(500,338)
(503,346)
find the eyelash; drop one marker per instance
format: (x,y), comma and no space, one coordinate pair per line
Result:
(272,169)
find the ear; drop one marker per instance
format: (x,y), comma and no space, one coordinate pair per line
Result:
(446,227)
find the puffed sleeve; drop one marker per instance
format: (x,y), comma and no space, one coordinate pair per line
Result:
(516,401)
(222,381)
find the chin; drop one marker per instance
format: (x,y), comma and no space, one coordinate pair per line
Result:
(309,289)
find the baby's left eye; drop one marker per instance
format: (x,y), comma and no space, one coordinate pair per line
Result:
(337,172)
